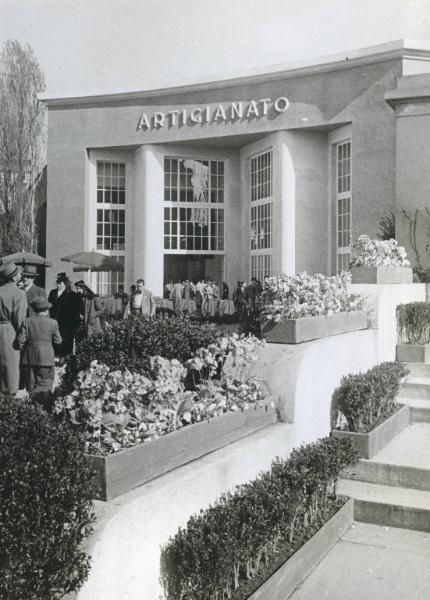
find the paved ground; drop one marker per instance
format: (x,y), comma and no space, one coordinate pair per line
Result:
(372,563)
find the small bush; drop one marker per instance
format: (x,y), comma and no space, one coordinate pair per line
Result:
(413,322)
(367,399)
(230,545)
(129,344)
(45,505)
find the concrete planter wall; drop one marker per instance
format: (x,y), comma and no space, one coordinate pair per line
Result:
(413,353)
(382,275)
(305,329)
(291,574)
(369,444)
(129,468)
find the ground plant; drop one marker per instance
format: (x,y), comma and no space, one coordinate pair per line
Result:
(228,550)
(413,322)
(45,505)
(305,295)
(115,409)
(130,344)
(367,399)
(369,252)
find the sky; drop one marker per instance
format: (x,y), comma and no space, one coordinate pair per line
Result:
(94,46)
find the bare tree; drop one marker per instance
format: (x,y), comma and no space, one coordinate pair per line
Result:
(22,146)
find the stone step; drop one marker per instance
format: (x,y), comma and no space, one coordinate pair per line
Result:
(419,409)
(418,369)
(404,462)
(387,505)
(415,387)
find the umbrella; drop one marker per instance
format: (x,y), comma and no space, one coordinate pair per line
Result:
(93,261)
(26,258)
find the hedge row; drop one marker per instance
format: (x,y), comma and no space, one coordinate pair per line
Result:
(367,399)
(45,505)
(225,546)
(130,343)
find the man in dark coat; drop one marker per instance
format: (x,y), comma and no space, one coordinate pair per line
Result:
(13,309)
(33,291)
(66,310)
(37,336)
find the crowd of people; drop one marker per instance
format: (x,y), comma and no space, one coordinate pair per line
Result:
(35,330)
(201,291)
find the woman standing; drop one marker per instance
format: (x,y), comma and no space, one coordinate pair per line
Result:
(13,310)
(91,309)
(66,310)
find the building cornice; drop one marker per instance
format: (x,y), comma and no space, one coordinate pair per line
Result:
(397,50)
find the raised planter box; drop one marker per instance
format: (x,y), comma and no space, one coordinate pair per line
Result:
(413,353)
(382,275)
(290,575)
(304,329)
(369,444)
(124,470)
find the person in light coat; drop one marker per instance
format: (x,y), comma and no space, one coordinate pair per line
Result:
(141,301)
(13,310)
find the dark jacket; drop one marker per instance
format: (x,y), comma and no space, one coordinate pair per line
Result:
(66,310)
(37,336)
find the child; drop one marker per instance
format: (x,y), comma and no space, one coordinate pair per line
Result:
(37,336)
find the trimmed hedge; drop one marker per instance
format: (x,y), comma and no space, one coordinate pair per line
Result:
(129,344)
(45,505)
(367,399)
(227,547)
(413,322)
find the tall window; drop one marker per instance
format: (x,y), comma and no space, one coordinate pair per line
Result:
(343,205)
(110,224)
(194,205)
(261,222)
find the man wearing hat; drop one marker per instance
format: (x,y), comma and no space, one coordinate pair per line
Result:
(33,291)
(38,334)
(13,309)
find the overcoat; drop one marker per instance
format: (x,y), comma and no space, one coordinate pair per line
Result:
(66,310)
(91,309)
(37,336)
(13,310)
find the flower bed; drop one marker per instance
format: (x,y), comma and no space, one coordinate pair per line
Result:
(369,415)
(230,549)
(306,307)
(379,261)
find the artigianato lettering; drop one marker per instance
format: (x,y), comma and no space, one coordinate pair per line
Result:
(215,113)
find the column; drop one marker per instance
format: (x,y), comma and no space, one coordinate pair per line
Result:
(287,201)
(149,218)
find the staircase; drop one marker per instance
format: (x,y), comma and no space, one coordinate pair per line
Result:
(393,488)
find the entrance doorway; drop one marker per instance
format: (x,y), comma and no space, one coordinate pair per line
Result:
(179,267)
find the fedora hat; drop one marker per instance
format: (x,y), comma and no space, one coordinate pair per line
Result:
(29,271)
(40,304)
(7,271)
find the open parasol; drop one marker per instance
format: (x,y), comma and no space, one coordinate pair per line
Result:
(93,261)
(26,258)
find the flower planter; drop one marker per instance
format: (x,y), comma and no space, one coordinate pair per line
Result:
(304,329)
(413,353)
(369,444)
(124,470)
(382,275)
(295,570)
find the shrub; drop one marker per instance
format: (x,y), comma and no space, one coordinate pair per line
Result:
(367,399)
(129,344)
(230,544)
(304,295)
(45,506)
(413,322)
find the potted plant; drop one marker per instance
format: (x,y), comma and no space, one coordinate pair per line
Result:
(305,307)
(379,261)
(369,416)
(413,325)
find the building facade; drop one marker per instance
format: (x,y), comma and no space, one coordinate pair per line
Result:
(250,176)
